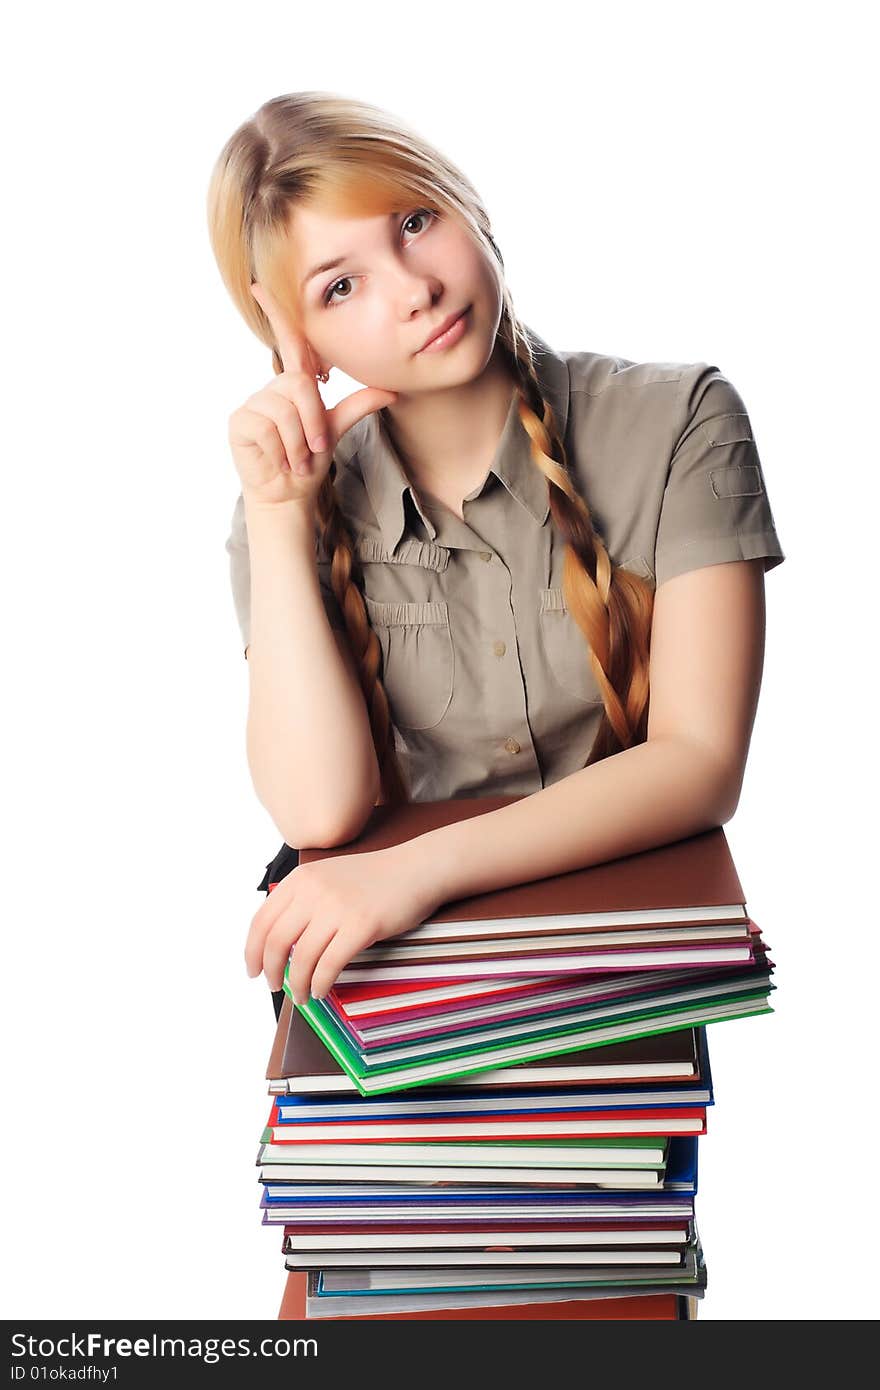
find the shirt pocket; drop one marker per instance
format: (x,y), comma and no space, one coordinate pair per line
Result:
(565,648)
(637,564)
(418,659)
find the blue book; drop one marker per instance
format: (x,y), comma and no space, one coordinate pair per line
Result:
(681,1166)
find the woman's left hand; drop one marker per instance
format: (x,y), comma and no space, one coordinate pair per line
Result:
(333,908)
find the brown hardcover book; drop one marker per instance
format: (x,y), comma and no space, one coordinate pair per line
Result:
(299,1062)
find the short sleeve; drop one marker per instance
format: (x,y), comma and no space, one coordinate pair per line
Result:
(240,577)
(715,506)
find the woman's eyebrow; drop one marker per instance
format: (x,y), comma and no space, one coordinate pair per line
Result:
(337,260)
(325,265)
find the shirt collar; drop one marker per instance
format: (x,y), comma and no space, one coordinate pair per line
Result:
(387,484)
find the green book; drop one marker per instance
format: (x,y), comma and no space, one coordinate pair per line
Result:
(498,1159)
(463,1061)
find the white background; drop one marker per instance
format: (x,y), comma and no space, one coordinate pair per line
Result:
(679,182)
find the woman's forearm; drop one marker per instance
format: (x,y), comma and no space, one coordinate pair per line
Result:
(648,795)
(309,744)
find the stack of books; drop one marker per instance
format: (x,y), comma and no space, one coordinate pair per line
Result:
(497,1114)
(526,1197)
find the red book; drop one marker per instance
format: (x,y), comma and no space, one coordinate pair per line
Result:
(559,1124)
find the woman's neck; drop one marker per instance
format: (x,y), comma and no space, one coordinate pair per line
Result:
(446,440)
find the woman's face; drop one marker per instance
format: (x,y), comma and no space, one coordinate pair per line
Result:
(397,278)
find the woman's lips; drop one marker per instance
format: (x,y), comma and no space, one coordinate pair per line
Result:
(450,337)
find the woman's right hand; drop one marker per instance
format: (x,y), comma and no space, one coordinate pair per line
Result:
(275,436)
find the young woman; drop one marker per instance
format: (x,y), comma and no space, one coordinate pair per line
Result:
(467,578)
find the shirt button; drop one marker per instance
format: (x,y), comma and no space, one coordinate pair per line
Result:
(511,745)
(499,648)
(486,555)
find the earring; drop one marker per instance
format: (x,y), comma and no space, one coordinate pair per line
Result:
(322,376)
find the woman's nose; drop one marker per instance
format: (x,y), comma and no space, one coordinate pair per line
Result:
(416,290)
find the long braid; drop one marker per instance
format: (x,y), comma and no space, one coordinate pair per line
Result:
(611,606)
(337,541)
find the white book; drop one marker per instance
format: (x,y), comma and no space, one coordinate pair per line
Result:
(493,1259)
(449,1215)
(619,1179)
(465,1240)
(730,913)
(470,1155)
(406,950)
(537,965)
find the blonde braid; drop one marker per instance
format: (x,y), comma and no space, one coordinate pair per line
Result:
(337,541)
(611,606)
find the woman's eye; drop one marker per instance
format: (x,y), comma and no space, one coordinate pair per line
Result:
(419,213)
(329,297)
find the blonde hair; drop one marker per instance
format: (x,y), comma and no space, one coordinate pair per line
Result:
(357,160)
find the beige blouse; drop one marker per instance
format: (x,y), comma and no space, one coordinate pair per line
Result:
(486,671)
